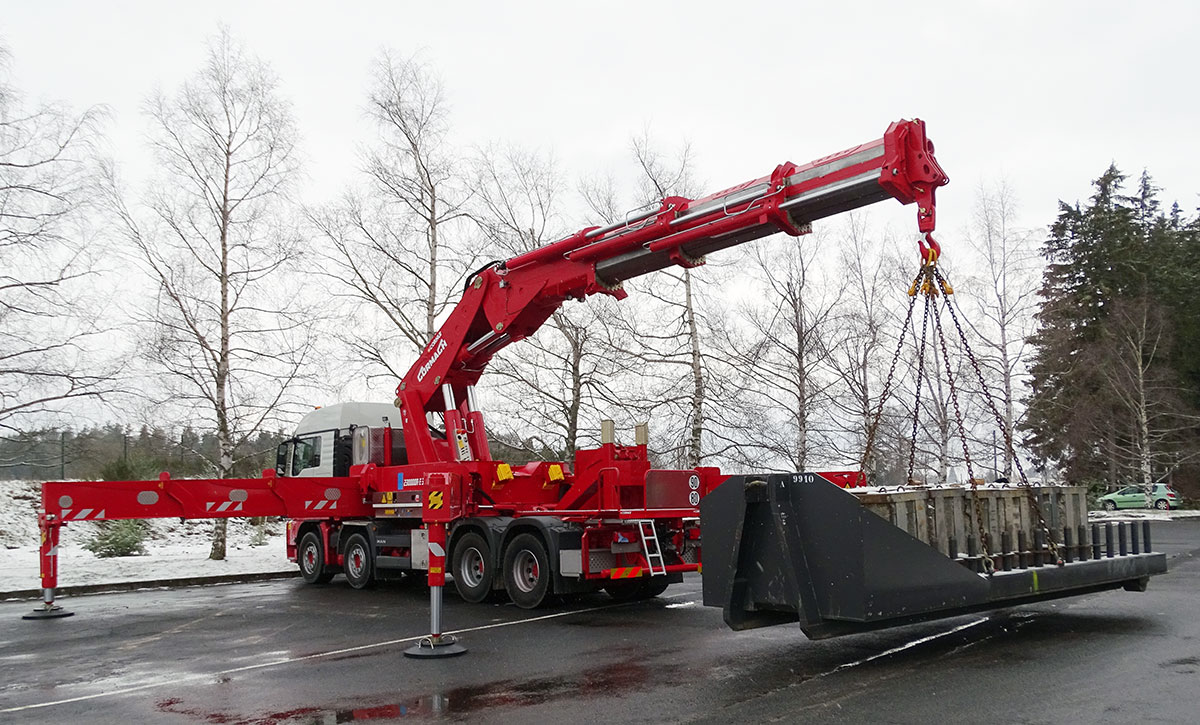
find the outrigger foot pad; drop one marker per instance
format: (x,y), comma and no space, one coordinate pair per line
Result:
(433,647)
(48,612)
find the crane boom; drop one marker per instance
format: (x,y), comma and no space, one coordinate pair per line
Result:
(508,301)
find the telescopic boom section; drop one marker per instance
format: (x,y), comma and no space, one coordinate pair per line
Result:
(508,301)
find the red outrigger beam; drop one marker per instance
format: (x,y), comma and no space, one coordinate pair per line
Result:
(68,502)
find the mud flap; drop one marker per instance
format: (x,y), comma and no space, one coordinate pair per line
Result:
(796,548)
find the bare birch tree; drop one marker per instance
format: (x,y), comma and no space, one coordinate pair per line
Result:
(554,382)
(1010,268)
(860,348)
(49,320)
(1157,433)
(667,337)
(395,250)
(226,341)
(779,357)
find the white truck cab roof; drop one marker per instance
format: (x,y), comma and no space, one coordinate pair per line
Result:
(343,415)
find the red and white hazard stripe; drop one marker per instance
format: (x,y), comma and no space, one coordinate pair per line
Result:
(223,506)
(83,515)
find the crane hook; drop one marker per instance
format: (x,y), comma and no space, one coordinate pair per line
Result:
(930,249)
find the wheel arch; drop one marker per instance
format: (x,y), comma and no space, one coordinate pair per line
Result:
(491,528)
(554,533)
(341,536)
(549,529)
(328,531)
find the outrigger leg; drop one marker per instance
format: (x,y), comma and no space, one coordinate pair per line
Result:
(436,644)
(48,562)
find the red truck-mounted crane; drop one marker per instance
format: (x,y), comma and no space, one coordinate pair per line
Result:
(370,499)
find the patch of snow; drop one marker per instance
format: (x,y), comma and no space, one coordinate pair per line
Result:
(947,487)
(174,549)
(1142,515)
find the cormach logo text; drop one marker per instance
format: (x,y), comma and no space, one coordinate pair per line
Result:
(441,347)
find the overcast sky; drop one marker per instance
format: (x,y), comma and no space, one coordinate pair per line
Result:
(1042,94)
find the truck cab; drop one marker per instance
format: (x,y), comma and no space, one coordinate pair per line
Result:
(331,439)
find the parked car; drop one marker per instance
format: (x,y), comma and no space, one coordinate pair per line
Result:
(1134,497)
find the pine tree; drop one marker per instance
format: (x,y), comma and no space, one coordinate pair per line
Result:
(1114,391)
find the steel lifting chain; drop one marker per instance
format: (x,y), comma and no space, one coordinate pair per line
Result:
(929,283)
(989,565)
(873,427)
(1034,504)
(916,416)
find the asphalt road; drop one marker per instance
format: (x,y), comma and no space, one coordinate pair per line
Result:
(285,652)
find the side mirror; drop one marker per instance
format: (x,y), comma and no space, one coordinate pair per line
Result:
(281,455)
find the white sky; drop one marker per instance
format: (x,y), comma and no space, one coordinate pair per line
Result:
(1043,94)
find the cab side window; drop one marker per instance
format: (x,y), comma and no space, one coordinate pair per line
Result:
(306,455)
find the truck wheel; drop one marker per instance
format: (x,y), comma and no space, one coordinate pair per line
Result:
(628,590)
(311,557)
(632,590)
(358,562)
(526,571)
(656,585)
(473,568)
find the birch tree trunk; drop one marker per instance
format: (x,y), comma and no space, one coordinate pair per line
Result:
(1005,314)
(214,235)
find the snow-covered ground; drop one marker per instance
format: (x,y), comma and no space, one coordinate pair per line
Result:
(1141,514)
(941,487)
(174,549)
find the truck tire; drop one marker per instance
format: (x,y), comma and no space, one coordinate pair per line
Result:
(632,590)
(473,568)
(358,562)
(527,571)
(655,585)
(310,555)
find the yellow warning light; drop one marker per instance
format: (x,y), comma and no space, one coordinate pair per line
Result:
(504,472)
(554,472)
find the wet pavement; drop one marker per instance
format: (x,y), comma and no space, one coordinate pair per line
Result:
(284,652)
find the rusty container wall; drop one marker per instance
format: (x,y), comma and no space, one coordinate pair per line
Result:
(936,514)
